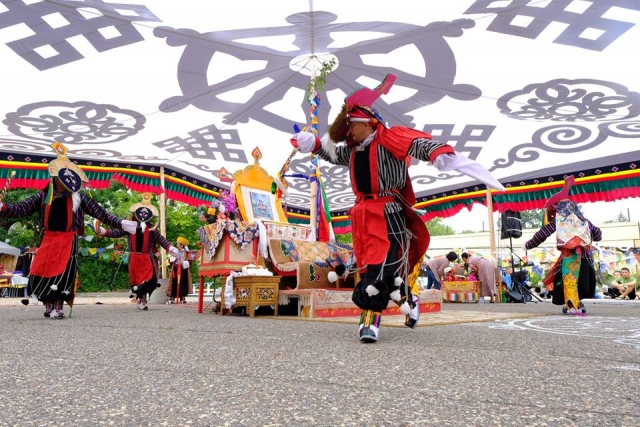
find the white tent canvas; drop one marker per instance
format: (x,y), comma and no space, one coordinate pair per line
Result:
(6,249)
(529,89)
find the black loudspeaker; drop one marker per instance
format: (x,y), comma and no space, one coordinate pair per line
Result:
(511,225)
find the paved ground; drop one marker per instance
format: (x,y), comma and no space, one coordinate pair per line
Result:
(115,365)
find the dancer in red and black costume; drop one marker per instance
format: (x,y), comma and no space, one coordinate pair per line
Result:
(573,276)
(142,245)
(62,208)
(389,238)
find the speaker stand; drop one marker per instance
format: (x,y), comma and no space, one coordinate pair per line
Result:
(519,292)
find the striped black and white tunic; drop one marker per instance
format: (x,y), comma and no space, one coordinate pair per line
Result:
(392,173)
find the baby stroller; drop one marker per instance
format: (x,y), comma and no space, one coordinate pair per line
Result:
(519,287)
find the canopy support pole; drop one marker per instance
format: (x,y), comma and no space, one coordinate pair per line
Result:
(492,242)
(163,223)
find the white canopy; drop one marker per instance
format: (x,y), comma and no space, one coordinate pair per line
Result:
(9,250)
(530,89)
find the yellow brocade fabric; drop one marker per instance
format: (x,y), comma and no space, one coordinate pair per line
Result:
(413,278)
(570,272)
(311,251)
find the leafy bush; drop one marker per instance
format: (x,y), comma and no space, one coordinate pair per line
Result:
(98,275)
(535,279)
(346,238)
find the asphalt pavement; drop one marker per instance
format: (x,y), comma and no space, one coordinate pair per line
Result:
(112,364)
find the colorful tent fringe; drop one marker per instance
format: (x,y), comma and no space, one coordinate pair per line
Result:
(609,183)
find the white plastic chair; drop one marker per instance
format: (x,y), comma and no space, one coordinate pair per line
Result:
(17,283)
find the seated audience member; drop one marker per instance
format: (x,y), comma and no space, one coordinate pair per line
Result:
(624,287)
(610,291)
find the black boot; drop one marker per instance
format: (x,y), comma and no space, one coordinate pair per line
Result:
(57,312)
(48,308)
(369,326)
(412,318)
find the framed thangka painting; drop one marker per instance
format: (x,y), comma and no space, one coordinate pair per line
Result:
(252,187)
(259,205)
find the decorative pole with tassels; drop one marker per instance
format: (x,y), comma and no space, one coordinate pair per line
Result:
(320,220)
(6,185)
(314,100)
(320,217)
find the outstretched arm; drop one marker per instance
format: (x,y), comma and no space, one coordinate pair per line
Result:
(445,158)
(159,239)
(93,209)
(427,150)
(307,142)
(332,153)
(114,233)
(541,235)
(23,208)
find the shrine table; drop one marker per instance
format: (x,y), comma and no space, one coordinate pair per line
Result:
(460,291)
(228,257)
(253,292)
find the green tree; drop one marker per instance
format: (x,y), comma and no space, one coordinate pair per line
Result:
(183,220)
(117,199)
(533,218)
(24,231)
(346,238)
(436,227)
(99,273)
(20,236)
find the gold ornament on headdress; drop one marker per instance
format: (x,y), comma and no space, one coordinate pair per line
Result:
(146,204)
(63,162)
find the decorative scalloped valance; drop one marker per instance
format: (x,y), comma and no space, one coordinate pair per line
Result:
(604,184)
